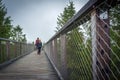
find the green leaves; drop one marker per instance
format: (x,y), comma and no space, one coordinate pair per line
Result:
(68,13)
(17,34)
(5,22)
(115,38)
(6,28)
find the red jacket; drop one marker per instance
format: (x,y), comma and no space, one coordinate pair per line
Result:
(37,42)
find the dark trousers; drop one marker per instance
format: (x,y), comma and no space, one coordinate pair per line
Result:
(39,50)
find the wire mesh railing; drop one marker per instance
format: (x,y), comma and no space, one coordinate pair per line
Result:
(88,46)
(11,50)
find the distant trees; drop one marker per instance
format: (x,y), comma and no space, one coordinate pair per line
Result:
(67,14)
(17,34)
(6,28)
(75,44)
(5,22)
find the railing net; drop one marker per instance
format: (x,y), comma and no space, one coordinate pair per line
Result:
(72,51)
(10,50)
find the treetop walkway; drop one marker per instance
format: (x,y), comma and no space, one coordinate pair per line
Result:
(87,47)
(29,67)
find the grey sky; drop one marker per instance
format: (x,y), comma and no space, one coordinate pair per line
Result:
(38,18)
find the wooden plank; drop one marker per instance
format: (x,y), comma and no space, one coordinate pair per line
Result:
(30,67)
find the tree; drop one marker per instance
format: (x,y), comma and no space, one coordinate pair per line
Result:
(75,45)
(68,13)
(115,38)
(17,34)
(5,22)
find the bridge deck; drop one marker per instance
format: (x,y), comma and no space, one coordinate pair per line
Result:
(30,67)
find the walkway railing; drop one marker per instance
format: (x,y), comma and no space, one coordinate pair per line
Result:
(88,45)
(11,50)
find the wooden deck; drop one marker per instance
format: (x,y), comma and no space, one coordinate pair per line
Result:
(30,67)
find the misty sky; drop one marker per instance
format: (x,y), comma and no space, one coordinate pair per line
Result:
(38,18)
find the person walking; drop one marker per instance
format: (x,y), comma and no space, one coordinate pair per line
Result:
(38,44)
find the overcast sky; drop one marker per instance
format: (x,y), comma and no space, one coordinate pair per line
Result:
(38,18)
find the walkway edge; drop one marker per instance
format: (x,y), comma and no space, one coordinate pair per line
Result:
(57,71)
(11,61)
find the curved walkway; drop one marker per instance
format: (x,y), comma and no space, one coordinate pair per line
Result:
(30,67)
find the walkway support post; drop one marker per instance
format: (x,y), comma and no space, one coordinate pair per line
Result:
(100,44)
(55,51)
(63,56)
(8,50)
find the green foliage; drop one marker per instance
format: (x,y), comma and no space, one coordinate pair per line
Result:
(10,50)
(17,34)
(115,42)
(77,46)
(78,56)
(9,32)
(6,29)
(5,22)
(68,13)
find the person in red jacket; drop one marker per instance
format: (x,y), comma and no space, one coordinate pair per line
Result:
(38,44)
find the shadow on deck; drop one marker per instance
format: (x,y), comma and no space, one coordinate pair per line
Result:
(30,67)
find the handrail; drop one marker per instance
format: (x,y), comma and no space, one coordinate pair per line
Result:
(88,7)
(11,50)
